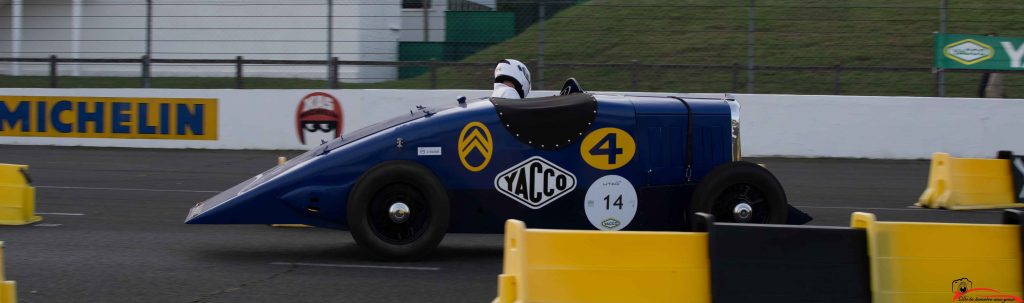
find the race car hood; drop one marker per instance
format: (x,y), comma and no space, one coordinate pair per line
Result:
(249,201)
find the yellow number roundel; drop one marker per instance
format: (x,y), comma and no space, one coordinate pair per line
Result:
(475,146)
(608,148)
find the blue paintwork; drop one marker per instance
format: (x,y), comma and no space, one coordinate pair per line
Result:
(321,178)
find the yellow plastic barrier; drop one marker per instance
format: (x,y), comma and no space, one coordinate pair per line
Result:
(7,294)
(17,198)
(966,183)
(603,266)
(928,262)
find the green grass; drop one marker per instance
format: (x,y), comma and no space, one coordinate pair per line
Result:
(879,33)
(789,33)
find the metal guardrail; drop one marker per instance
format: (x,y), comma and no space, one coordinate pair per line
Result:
(332,82)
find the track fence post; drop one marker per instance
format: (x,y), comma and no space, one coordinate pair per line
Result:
(53,71)
(239,80)
(332,79)
(735,77)
(433,73)
(330,44)
(633,71)
(541,15)
(145,71)
(836,71)
(940,74)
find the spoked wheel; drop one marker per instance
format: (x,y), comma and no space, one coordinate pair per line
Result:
(398,211)
(741,192)
(398,214)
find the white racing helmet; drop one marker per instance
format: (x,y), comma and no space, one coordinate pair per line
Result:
(516,72)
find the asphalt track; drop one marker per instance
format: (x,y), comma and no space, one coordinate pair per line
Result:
(113,232)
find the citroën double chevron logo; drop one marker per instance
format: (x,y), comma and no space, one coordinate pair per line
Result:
(475,146)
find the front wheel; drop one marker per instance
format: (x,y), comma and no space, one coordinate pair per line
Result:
(398,211)
(741,192)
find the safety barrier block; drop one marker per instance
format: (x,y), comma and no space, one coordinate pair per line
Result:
(7,293)
(942,262)
(968,183)
(17,197)
(603,266)
(788,263)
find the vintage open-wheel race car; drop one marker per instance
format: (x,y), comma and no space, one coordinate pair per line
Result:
(575,161)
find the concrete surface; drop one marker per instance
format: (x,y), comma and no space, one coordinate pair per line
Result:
(113,232)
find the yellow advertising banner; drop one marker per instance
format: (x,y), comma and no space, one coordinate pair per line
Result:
(109,117)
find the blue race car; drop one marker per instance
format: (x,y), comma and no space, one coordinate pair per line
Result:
(575,161)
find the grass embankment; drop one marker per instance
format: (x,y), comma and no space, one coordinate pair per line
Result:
(879,33)
(789,33)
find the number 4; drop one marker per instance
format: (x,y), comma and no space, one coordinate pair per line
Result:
(612,149)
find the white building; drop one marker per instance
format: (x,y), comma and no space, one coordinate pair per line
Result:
(362,30)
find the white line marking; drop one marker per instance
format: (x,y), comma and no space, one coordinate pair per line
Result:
(131,189)
(356,266)
(912,208)
(47,225)
(60,214)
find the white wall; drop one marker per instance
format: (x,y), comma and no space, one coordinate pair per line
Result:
(202,31)
(879,127)
(773,125)
(252,119)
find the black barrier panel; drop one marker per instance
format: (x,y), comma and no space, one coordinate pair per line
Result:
(1016,216)
(1017,169)
(1017,166)
(781,263)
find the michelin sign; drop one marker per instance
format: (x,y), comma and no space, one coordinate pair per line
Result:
(978,52)
(108,117)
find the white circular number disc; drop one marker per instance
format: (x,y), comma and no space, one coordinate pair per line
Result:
(610,203)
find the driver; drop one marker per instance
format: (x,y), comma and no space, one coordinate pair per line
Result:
(511,80)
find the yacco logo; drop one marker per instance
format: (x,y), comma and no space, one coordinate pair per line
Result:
(964,291)
(535,182)
(108,117)
(318,112)
(475,146)
(968,51)
(611,223)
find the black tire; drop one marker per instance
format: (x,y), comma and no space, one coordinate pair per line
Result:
(722,191)
(383,186)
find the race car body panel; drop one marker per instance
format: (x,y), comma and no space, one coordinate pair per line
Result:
(632,165)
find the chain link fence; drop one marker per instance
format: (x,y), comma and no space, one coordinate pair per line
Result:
(862,47)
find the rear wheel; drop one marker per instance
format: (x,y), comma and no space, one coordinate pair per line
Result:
(398,211)
(741,192)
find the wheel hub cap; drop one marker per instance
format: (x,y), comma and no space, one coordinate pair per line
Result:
(742,212)
(398,212)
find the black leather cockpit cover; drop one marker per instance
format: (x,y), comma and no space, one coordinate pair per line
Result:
(549,122)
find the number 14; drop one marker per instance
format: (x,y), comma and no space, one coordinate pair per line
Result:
(608,202)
